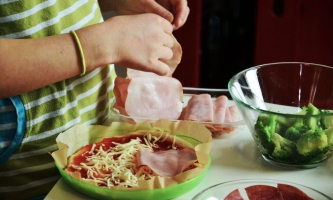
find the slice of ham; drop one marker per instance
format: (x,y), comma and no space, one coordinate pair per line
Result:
(203,108)
(200,108)
(149,97)
(167,163)
(221,110)
(233,113)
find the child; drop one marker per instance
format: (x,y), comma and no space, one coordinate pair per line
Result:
(53,78)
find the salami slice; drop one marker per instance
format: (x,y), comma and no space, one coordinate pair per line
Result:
(234,195)
(268,192)
(263,192)
(289,192)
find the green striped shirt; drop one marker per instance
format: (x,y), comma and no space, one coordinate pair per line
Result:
(29,170)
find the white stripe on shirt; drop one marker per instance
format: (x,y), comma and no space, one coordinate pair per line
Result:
(34,153)
(69,105)
(82,22)
(27,13)
(92,121)
(67,125)
(5,144)
(47,23)
(7,108)
(8,126)
(52,132)
(3,2)
(61,93)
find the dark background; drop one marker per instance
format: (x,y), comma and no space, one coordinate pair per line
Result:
(227,40)
(223,37)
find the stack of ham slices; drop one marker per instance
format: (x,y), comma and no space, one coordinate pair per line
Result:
(147,95)
(212,112)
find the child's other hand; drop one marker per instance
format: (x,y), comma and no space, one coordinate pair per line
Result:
(175,11)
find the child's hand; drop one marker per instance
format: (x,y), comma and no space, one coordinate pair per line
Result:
(141,42)
(178,8)
(175,11)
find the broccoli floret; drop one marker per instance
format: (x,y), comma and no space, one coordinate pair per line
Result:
(312,122)
(302,124)
(280,127)
(298,126)
(282,147)
(298,121)
(293,133)
(329,133)
(312,143)
(303,111)
(265,127)
(326,121)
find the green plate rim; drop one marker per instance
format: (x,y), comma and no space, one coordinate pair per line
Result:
(160,193)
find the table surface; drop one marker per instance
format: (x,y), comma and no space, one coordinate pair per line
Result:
(236,157)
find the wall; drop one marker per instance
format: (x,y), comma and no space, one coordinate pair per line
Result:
(301,31)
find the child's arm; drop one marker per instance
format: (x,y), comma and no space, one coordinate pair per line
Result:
(141,42)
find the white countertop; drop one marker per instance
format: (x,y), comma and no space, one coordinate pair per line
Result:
(236,157)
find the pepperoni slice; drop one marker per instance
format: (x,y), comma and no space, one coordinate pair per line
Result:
(263,192)
(292,193)
(234,195)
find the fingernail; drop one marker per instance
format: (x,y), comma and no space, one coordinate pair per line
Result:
(180,22)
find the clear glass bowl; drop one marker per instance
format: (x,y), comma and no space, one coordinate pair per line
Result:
(222,190)
(277,92)
(217,129)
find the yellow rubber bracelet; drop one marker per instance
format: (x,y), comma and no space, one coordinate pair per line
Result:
(83,60)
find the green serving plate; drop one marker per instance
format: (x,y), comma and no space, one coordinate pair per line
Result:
(106,193)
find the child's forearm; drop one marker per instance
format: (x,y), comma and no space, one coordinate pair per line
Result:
(28,64)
